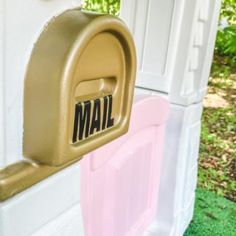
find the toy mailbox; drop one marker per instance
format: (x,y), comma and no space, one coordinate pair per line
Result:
(79,86)
(78,94)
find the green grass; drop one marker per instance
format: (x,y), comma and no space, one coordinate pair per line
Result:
(217,162)
(213,216)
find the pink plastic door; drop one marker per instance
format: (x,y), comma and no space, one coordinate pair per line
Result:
(120,180)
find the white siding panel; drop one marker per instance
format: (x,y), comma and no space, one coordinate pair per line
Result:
(31,210)
(175,43)
(20,24)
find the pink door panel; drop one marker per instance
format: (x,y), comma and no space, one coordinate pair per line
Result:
(120,180)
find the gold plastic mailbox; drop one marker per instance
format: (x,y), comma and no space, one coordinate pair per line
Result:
(79,87)
(78,94)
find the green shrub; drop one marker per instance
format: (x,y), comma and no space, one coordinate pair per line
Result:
(226,35)
(103,6)
(228,11)
(226,43)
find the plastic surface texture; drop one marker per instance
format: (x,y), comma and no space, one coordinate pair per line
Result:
(23,174)
(175,43)
(120,180)
(21,22)
(80,60)
(179,170)
(68,86)
(179,176)
(48,208)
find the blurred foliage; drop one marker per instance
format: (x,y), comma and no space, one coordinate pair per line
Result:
(103,6)
(226,42)
(226,46)
(228,11)
(226,35)
(223,66)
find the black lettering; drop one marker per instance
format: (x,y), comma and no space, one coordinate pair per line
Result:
(75,131)
(84,119)
(110,121)
(104,122)
(96,119)
(82,125)
(81,122)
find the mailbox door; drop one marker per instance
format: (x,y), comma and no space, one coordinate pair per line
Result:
(120,180)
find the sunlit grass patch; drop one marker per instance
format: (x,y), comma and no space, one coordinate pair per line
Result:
(217,163)
(213,216)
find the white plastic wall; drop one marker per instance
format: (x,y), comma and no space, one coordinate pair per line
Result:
(20,24)
(50,208)
(179,169)
(174,59)
(175,41)
(67,224)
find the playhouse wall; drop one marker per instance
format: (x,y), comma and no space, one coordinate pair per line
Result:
(20,25)
(51,207)
(179,169)
(175,43)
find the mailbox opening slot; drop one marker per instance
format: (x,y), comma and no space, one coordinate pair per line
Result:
(95,88)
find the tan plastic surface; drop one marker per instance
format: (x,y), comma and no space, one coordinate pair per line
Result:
(79,58)
(78,95)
